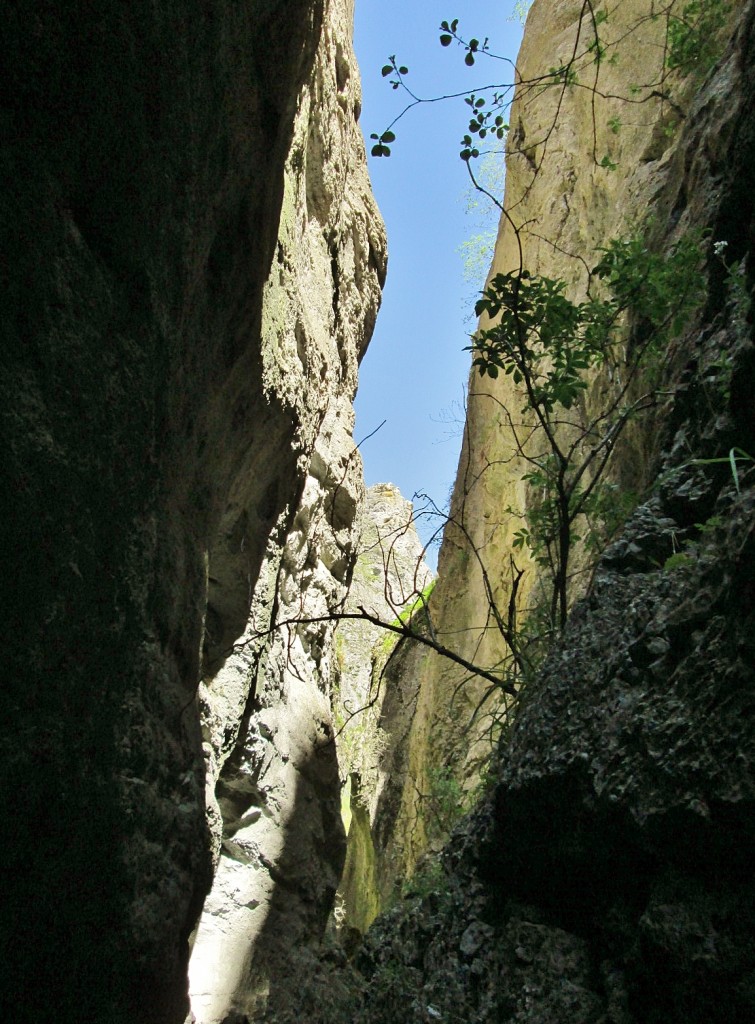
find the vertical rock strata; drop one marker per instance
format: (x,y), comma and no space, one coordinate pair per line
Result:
(266,712)
(190,272)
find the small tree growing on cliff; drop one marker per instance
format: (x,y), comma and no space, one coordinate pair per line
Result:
(548,345)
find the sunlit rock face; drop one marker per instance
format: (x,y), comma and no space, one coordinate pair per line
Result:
(191,268)
(272,772)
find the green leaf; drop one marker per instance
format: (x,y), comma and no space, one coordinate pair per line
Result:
(469,59)
(446,40)
(387,69)
(677,561)
(387,137)
(403,70)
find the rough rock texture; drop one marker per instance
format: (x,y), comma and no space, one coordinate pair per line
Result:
(390,577)
(606,878)
(266,713)
(170,376)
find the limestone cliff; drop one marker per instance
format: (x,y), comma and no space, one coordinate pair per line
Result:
(191,269)
(266,712)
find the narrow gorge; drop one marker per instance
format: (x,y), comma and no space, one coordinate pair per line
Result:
(259,762)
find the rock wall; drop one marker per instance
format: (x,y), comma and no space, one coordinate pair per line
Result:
(585,165)
(266,714)
(191,270)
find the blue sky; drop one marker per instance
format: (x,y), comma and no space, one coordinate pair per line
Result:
(414,373)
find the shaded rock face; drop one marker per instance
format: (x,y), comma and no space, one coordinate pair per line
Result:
(606,878)
(171,379)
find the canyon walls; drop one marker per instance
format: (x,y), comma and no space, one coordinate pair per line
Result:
(191,266)
(191,270)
